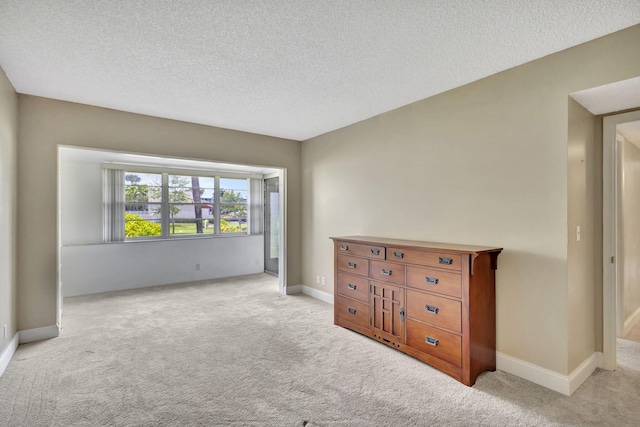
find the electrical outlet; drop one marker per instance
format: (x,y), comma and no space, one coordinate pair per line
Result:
(197,267)
(324,281)
(318,279)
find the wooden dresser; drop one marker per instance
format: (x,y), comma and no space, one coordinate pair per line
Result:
(433,301)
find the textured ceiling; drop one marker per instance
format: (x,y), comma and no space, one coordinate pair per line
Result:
(293,69)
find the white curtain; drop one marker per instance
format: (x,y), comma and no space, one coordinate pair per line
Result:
(256,214)
(113,205)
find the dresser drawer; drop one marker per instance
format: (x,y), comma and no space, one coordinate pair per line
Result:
(428,259)
(353,287)
(352,311)
(352,265)
(387,272)
(434,341)
(358,249)
(432,280)
(435,310)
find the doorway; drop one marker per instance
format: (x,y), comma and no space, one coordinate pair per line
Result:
(614,317)
(271,225)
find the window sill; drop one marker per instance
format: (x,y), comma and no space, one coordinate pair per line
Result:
(186,237)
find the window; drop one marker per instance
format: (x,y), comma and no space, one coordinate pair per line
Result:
(233,205)
(143,204)
(163,205)
(191,205)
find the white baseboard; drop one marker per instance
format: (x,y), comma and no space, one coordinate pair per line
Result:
(37,334)
(564,384)
(317,294)
(630,322)
(7,353)
(584,371)
(295,289)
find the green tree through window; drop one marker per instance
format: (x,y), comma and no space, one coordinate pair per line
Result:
(163,204)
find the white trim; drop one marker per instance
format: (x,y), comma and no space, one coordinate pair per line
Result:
(7,353)
(59,298)
(317,294)
(564,384)
(283,279)
(630,322)
(533,373)
(174,170)
(38,334)
(294,289)
(584,371)
(271,175)
(312,292)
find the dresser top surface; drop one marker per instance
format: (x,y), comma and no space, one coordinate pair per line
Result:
(383,241)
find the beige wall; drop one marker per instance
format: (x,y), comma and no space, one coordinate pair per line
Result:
(482,164)
(630,228)
(8,147)
(581,257)
(46,123)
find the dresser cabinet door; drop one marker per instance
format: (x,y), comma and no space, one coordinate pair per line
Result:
(387,311)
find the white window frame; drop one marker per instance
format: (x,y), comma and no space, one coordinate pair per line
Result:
(165,217)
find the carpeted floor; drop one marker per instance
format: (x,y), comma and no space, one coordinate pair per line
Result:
(234,352)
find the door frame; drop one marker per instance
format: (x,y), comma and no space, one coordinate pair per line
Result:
(281,175)
(611,237)
(282,254)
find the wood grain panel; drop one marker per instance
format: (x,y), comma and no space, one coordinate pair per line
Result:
(434,310)
(353,265)
(444,260)
(352,311)
(387,272)
(435,280)
(363,250)
(447,347)
(353,287)
(387,304)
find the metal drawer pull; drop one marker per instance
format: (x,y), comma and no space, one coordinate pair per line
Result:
(375,251)
(446,261)
(431,341)
(431,309)
(352,310)
(344,247)
(402,314)
(386,272)
(351,286)
(431,280)
(398,254)
(352,265)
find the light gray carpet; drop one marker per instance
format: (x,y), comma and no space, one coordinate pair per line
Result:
(234,352)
